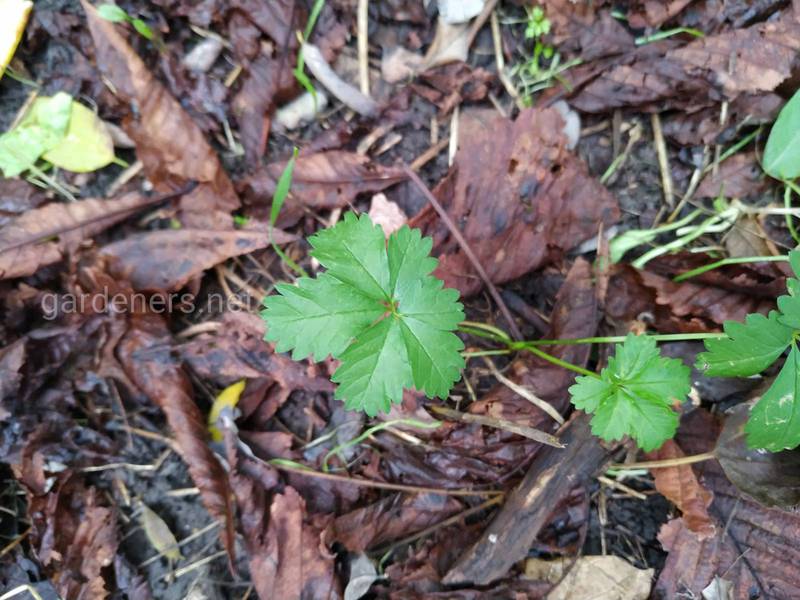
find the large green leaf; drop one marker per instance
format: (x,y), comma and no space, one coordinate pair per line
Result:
(782,153)
(378,310)
(634,394)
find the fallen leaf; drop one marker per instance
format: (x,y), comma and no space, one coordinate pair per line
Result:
(450,85)
(168,142)
(167,259)
(15,17)
(226,400)
(43,236)
(12,357)
(362,575)
(87,145)
(592,577)
(747,238)
(158,533)
(771,478)
(653,13)
(392,518)
(387,214)
(754,548)
(740,176)
(17,196)
(148,364)
(680,486)
(697,74)
(544,201)
(323,180)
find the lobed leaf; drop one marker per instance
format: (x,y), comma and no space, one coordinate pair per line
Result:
(634,394)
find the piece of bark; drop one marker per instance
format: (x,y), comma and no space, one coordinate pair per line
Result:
(550,478)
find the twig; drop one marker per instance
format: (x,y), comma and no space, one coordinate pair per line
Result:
(525,393)
(515,332)
(663,160)
(430,154)
(500,61)
(363,45)
(621,487)
(523,430)
(666,463)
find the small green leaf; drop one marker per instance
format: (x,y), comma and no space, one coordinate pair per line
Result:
(282,189)
(775,420)
(113,13)
(143,29)
(378,310)
(86,147)
(634,394)
(750,347)
(782,153)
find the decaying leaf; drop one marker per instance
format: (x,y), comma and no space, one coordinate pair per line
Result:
(324,180)
(226,400)
(168,142)
(167,259)
(42,236)
(543,199)
(148,365)
(591,577)
(680,486)
(754,547)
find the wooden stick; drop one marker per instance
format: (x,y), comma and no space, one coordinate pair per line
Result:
(512,325)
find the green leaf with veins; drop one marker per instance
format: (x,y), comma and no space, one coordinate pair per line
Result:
(775,419)
(378,310)
(634,394)
(750,347)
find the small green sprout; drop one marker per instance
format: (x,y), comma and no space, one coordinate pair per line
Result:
(113,13)
(538,24)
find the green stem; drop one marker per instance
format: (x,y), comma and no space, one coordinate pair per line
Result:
(484,330)
(790,187)
(561,363)
(485,353)
(664,337)
(729,261)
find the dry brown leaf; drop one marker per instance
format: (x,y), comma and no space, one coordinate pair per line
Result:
(680,486)
(167,259)
(700,73)
(42,236)
(168,142)
(324,180)
(391,518)
(592,578)
(518,195)
(12,357)
(755,548)
(148,363)
(740,176)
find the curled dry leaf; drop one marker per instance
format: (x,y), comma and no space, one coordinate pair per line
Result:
(680,486)
(148,364)
(543,200)
(324,180)
(167,259)
(392,518)
(168,142)
(42,236)
(755,548)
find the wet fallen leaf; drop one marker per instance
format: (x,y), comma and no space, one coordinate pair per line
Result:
(392,518)
(754,548)
(148,364)
(698,74)
(450,85)
(740,176)
(771,478)
(227,399)
(12,358)
(44,235)
(167,259)
(680,486)
(158,533)
(324,180)
(362,575)
(168,142)
(545,202)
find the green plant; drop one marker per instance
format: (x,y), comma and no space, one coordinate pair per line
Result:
(377,309)
(113,13)
(299,71)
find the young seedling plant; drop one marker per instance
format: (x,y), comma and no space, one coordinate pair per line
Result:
(378,309)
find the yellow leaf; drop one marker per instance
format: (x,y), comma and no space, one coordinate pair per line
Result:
(86,147)
(158,533)
(13,18)
(228,398)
